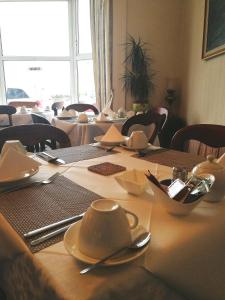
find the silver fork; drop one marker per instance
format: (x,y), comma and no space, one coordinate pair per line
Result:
(33,183)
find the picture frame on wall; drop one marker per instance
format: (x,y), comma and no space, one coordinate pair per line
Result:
(214,29)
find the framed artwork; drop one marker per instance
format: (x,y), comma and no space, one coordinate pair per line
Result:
(214,29)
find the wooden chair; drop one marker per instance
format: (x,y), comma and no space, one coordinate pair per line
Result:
(34,136)
(151,118)
(9,111)
(21,276)
(201,139)
(56,106)
(37,119)
(81,107)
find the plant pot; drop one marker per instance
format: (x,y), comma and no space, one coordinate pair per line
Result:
(137,107)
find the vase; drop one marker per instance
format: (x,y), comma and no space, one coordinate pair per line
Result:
(140,107)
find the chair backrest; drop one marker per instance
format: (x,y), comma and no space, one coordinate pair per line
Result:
(148,119)
(34,134)
(81,107)
(21,276)
(7,110)
(37,119)
(56,106)
(201,139)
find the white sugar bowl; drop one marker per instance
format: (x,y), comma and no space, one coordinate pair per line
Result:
(210,166)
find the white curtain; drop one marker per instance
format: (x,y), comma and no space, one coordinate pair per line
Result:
(101,35)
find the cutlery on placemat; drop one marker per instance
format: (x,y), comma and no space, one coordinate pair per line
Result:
(50,158)
(49,235)
(53,225)
(31,183)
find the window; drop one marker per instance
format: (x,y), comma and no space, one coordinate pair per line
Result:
(45,51)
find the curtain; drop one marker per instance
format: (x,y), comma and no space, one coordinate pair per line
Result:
(101,36)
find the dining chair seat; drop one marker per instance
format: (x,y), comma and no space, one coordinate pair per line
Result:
(34,136)
(21,276)
(200,139)
(82,107)
(9,111)
(151,123)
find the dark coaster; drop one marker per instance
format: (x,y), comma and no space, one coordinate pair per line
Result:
(106,169)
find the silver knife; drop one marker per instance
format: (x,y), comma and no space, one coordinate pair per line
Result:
(20,187)
(53,225)
(49,235)
(51,158)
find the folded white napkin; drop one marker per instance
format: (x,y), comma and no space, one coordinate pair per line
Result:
(221,160)
(82,118)
(13,144)
(101,117)
(112,135)
(65,126)
(23,110)
(73,112)
(64,113)
(35,109)
(13,163)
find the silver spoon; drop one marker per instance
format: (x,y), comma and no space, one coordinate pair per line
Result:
(30,183)
(141,241)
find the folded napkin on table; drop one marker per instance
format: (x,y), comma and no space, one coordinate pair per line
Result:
(64,113)
(35,109)
(13,163)
(102,117)
(65,126)
(112,135)
(72,112)
(23,110)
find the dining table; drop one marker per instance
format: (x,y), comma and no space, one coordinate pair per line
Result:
(187,252)
(81,133)
(25,118)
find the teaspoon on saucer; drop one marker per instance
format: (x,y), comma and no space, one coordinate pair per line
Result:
(141,241)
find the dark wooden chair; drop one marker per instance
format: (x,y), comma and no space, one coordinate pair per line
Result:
(34,136)
(81,107)
(146,119)
(38,119)
(56,106)
(9,111)
(201,139)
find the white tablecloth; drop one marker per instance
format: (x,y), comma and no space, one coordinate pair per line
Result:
(24,119)
(84,133)
(188,252)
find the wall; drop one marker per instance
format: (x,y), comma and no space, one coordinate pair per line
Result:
(203,82)
(173,30)
(158,24)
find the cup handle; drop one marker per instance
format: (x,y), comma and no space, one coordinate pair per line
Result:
(135,223)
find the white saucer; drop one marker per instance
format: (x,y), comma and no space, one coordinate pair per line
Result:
(71,245)
(21,176)
(114,143)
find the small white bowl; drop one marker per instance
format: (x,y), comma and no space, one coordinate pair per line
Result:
(133,181)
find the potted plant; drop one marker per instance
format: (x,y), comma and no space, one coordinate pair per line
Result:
(138,78)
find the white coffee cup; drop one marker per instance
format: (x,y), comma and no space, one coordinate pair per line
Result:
(137,140)
(105,228)
(13,144)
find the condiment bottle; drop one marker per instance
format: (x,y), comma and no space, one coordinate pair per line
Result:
(210,166)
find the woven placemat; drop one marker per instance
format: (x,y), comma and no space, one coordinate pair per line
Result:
(106,168)
(34,207)
(73,154)
(172,158)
